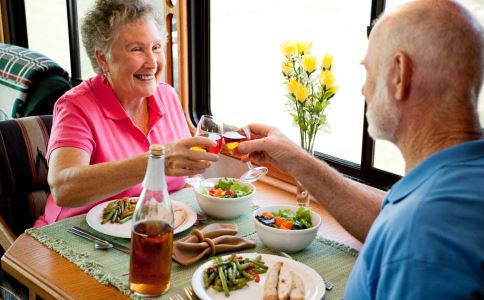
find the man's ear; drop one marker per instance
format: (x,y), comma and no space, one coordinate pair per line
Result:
(102,60)
(401,75)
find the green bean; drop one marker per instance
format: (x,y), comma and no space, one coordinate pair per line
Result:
(211,278)
(224,282)
(244,266)
(259,264)
(259,270)
(123,220)
(240,281)
(234,272)
(239,286)
(216,258)
(108,217)
(230,274)
(247,275)
(108,209)
(127,213)
(205,279)
(217,288)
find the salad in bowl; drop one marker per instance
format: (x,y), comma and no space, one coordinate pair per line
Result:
(228,199)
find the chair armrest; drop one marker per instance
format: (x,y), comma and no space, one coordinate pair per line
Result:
(7,237)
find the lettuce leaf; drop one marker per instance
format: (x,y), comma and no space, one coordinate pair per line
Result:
(231,184)
(300,220)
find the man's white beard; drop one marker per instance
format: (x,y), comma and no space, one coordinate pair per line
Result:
(382,114)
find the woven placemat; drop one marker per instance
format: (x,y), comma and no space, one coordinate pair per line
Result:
(333,261)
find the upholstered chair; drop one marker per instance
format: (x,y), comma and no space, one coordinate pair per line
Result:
(23,174)
(30,83)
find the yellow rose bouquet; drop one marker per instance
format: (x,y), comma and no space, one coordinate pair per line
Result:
(310,88)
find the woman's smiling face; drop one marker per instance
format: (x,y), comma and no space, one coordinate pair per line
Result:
(136,60)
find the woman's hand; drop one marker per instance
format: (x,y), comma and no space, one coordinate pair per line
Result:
(182,161)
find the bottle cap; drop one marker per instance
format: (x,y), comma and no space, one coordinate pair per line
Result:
(157,150)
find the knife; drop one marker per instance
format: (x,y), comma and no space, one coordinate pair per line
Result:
(91,236)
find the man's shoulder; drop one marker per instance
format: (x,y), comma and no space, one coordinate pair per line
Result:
(459,179)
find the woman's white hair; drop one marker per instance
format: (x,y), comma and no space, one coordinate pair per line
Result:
(102,20)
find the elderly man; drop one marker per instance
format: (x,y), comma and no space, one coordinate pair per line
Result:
(424,239)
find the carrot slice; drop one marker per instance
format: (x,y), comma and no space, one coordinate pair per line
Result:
(278,221)
(286,225)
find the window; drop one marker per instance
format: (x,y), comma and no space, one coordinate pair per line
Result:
(245,63)
(243,69)
(86,68)
(48,34)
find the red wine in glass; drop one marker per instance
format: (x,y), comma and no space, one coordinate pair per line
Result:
(216,138)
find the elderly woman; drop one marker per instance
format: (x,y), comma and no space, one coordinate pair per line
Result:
(102,129)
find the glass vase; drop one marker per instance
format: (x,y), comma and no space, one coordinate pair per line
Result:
(302,195)
(303,198)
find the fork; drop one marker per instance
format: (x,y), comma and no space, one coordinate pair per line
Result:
(190,293)
(176,297)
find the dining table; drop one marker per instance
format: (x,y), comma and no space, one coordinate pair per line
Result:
(45,261)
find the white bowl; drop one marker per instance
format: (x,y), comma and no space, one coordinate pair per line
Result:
(224,208)
(285,240)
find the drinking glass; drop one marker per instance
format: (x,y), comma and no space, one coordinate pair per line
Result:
(210,128)
(233,136)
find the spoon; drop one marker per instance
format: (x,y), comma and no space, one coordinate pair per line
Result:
(102,245)
(98,243)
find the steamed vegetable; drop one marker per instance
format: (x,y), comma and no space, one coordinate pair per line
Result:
(232,273)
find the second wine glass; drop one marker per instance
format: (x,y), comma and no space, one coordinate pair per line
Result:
(210,128)
(233,136)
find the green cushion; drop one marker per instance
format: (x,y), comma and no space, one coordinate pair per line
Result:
(43,95)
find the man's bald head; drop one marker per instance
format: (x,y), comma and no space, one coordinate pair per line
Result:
(444,42)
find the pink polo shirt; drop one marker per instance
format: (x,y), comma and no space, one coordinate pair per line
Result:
(90,117)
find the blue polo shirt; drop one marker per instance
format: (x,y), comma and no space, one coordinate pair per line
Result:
(428,240)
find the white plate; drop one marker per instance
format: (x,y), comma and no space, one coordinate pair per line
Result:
(313,283)
(94,218)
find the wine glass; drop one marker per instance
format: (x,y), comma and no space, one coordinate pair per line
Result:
(207,127)
(233,136)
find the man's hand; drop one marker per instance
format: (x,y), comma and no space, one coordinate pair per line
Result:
(271,146)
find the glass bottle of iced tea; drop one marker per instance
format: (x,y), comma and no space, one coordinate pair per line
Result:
(152,231)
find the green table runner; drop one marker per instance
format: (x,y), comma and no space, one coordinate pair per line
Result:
(333,261)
